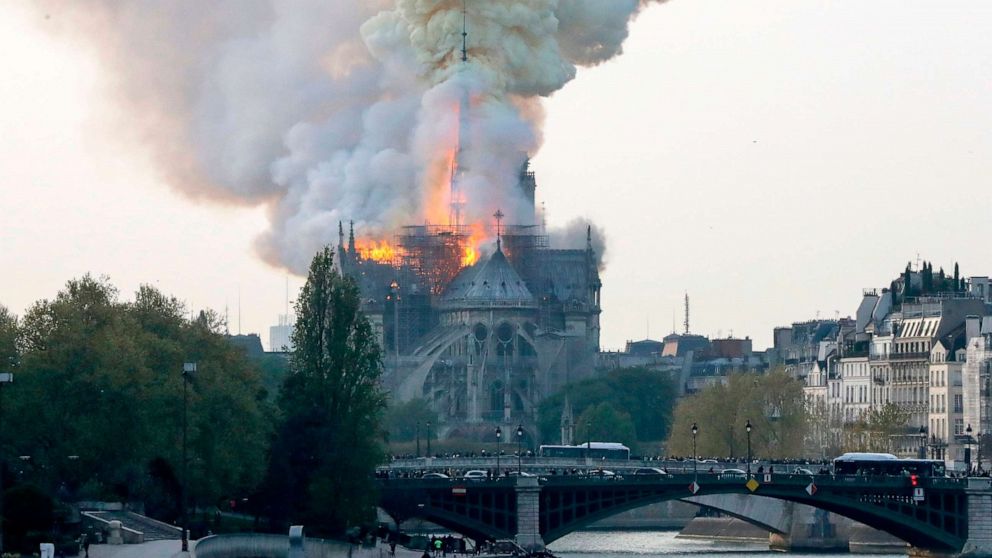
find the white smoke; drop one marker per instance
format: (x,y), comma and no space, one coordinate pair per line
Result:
(575,235)
(335,110)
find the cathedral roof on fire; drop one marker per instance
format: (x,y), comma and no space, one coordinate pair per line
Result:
(488,284)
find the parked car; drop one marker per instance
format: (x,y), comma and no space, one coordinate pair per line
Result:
(519,474)
(733,474)
(476,475)
(652,471)
(602,474)
(802,471)
(436,476)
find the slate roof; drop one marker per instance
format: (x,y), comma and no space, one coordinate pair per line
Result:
(492,283)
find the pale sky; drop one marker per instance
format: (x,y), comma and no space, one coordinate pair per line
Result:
(770,157)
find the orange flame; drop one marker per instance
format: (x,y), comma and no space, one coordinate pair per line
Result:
(377,250)
(470,252)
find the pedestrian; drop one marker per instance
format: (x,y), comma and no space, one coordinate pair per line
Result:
(438,543)
(392,547)
(86,545)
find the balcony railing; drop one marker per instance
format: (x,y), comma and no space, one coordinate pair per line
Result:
(920,355)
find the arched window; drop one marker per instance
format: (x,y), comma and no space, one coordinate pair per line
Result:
(496,396)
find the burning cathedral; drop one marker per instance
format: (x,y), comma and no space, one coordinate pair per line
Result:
(483,333)
(475,309)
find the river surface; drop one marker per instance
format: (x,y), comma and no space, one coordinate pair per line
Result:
(647,544)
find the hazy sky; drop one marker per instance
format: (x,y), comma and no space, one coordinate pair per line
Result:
(770,157)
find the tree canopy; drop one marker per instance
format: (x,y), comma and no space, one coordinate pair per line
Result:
(329,438)
(403,418)
(773,402)
(645,396)
(97,401)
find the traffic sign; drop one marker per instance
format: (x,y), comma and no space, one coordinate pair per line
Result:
(752,485)
(694,487)
(811,489)
(918,495)
(459,490)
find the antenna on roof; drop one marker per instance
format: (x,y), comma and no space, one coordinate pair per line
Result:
(687,313)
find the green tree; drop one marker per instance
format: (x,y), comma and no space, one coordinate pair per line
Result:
(99,380)
(332,404)
(603,423)
(402,419)
(875,429)
(648,396)
(773,402)
(8,340)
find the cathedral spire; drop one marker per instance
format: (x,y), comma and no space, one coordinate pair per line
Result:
(351,238)
(340,236)
(499,231)
(464,32)
(457,202)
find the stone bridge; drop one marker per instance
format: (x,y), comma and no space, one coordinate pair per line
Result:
(950,517)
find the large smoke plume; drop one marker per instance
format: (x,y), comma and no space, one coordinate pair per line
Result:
(329,110)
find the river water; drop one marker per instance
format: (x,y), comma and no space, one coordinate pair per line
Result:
(663,544)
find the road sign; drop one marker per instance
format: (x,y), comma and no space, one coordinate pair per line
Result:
(752,485)
(459,490)
(811,489)
(768,477)
(694,487)
(918,495)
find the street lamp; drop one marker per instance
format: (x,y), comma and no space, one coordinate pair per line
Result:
(978,468)
(695,460)
(499,436)
(188,369)
(967,450)
(923,442)
(418,438)
(520,439)
(428,438)
(747,427)
(5,378)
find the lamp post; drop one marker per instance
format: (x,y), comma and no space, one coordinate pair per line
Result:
(967,450)
(5,378)
(695,464)
(747,427)
(978,467)
(428,438)
(418,438)
(499,436)
(520,439)
(923,442)
(188,369)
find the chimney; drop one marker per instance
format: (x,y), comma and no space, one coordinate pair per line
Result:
(972,327)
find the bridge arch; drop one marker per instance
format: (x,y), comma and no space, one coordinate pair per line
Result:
(938,523)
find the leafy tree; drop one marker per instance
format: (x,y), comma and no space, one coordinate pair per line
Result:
(332,405)
(875,429)
(773,402)
(647,395)
(603,423)
(402,419)
(8,340)
(99,380)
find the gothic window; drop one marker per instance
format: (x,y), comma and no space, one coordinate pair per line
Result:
(496,396)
